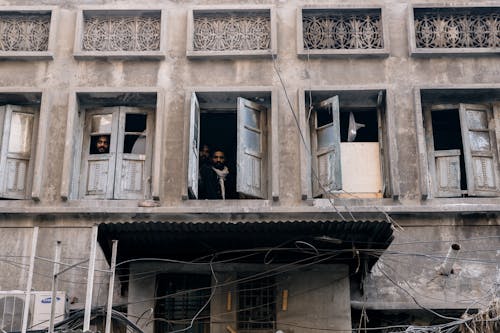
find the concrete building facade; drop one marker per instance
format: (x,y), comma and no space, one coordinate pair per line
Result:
(364,139)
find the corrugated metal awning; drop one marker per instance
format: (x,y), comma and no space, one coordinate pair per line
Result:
(188,240)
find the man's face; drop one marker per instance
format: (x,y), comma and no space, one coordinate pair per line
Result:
(102,145)
(204,153)
(218,160)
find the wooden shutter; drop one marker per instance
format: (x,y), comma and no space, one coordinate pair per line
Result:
(479,150)
(133,167)
(447,173)
(325,139)
(98,170)
(251,176)
(193,147)
(17,147)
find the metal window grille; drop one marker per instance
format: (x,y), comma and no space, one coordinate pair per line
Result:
(257,304)
(181,297)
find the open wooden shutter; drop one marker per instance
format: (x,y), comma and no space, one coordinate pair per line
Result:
(479,150)
(251,177)
(193,147)
(325,140)
(17,147)
(133,153)
(98,170)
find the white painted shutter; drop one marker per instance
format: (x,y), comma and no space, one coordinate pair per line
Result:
(98,170)
(17,147)
(327,175)
(479,150)
(133,169)
(251,177)
(193,147)
(448,176)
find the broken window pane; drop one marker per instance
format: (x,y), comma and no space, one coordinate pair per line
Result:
(135,138)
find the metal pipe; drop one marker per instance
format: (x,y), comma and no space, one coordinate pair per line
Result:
(90,280)
(29,283)
(451,257)
(53,299)
(111,286)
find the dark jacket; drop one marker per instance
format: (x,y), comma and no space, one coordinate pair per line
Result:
(209,186)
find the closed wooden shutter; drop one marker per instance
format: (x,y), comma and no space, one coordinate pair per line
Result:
(133,153)
(98,170)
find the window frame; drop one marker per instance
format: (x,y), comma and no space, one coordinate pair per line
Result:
(272,154)
(34,55)
(74,136)
(342,53)
(218,9)
(431,52)
(81,54)
(388,157)
(115,156)
(427,178)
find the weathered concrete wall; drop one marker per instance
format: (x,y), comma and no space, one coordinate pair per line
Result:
(408,274)
(318,300)
(398,73)
(318,296)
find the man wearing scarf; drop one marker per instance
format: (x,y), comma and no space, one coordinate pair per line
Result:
(216,182)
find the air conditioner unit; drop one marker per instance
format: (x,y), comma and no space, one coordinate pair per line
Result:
(11,310)
(42,303)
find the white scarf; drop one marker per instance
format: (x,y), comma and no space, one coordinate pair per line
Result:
(221,174)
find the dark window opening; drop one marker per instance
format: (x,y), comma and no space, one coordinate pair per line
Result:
(135,134)
(218,131)
(180,298)
(257,304)
(99,144)
(368,118)
(447,135)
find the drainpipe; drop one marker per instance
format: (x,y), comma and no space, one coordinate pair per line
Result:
(451,257)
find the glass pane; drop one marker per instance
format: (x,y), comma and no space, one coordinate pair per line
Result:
(477,119)
(135,122)
(479,141)
(324,117)
(252,140)
(325,137)
(99,144)
(21,128)
(251,118)
(101,123)
(134,144)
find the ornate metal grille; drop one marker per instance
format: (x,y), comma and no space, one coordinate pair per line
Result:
(439,29)
(24,32)
(232,32)
(342,30)
(121,33)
